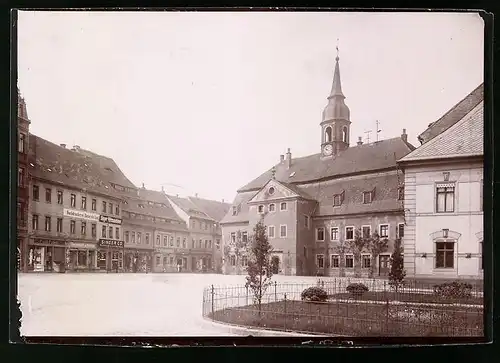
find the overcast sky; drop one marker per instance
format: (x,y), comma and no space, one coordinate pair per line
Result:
(208,101)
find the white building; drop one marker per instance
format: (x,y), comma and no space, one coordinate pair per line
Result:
(443,195)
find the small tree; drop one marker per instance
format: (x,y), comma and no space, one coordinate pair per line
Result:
(259,265)
(397,273)
(376,246)
(341,249)
(356,246)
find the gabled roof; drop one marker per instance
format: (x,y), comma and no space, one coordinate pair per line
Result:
(80,169)
(241,204)
(141,206)
(212,208)
(297,192)
(357,159)
(455,114)
(464,138)
(189,207)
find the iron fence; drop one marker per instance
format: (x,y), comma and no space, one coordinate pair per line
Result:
(412,310)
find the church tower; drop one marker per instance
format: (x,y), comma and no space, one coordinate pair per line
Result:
(335,125)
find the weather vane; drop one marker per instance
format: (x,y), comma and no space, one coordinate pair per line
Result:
(378,130)
(337,47)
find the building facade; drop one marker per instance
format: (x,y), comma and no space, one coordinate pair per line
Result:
(443,195)
(313,205)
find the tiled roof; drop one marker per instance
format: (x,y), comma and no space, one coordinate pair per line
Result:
(241,203)
(357,159)
(299,191)
(189,207)
(464,138)
(157,225)
(79,169)
(167,212)
(385,198)
(216,210)
(455,114)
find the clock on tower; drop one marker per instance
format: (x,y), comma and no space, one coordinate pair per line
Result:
(327,150)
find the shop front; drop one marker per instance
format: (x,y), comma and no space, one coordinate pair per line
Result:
(137,260)
(81,256)
(164,260)
(110,255)
(201,263)
(46,255)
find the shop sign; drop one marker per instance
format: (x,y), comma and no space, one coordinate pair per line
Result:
(40,241)
(161,250)
(110,243)
(80,214)
(108,219)
(81,245)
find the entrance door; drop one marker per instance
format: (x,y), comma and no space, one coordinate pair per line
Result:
(384,265)
(275,265)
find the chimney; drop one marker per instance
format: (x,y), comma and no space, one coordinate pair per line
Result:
(288,158)
(143,187)
(360,142)
(282,158)
(222,200)
(404,136)
(63,146)
(196,195)
(76,148)
(163,190)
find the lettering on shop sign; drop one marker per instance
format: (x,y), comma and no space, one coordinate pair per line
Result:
(81,245)
(80,214)
(161,250)
(40,241)
(108,219)
(110,243)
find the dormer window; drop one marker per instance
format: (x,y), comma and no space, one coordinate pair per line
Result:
(235,211)
(261,209)
(338,199)
(367,197)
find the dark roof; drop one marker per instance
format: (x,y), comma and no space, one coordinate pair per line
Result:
(241,204)
(80,169)
(455,114)
(166,211)
(357,159)
(212,208)
(157,225)
(189,207)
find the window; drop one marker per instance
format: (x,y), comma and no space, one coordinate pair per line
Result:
(48,195)
(481,196)
(48,223)
(445,197)
(233,237)
(337,200)
(193,243)
(320,234)
(232,260)
(194,224)
(401,230)
(84,203)
(178,241)
(217,243)
(22,142)
(94,204)
(335,261)
(349,233)
(158,260)
(334,233)
(199,243)
(147,238)
(445,254)
(384,231)
(210,243)
(270,231)
(117,209)
(328,134)
(206,243)
(205,226)
(165,260)
(110,209)
(234,210)
(349,261)
(127,236)
(72,227)
(158,240)
(139,238)
(283,231)
(283,206)
(59,225)
(272,207)
(34,222)
(110,230)
(165,241)
(401,193)
(104,206)
(481,257)
(367,231)
(132,237)
(172,241)
(84,228)
(20,178)
(367,197)
(306,222)
(20,215)
(366,261)
(344,134)
(59,197)
(320,261)
(261,209)
(244,261)
(73,200)
(184,242)
(94,229)
(103,232)
(36,192)
(244,237)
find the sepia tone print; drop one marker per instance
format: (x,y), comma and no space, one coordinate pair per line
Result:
(173,217)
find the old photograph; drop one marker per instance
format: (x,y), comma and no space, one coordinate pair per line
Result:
(263,173)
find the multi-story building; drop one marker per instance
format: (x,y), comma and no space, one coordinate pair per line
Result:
(443,195)
(312,205)
(75,214)
(202,217)
(23,201)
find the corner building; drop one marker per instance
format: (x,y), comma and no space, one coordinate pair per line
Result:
(312,204)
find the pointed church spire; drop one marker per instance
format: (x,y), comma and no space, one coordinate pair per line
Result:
(336,86)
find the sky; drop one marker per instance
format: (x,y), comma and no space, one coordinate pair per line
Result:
(204,102)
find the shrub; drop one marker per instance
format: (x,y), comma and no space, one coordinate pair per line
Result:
(455,289)
(357,289)
(314,294)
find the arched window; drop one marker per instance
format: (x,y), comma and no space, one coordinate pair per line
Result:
(328,134)
(344,134)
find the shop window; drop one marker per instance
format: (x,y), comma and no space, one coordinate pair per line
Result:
(73,200)
(165,260)
(59,197)
(349,261)
(72,227)
(157,260)
(36,192)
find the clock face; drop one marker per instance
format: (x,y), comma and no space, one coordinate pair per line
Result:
(327,150)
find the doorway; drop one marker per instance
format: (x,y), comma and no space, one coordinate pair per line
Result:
(275,265)
(384,265)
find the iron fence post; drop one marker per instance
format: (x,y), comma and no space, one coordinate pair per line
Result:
(275,294)
(284,310)
(247,296)
(213,294)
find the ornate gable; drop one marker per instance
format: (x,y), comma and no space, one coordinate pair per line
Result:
(273,190)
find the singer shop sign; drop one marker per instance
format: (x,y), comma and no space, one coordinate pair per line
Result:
(110,243)
(108,219)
